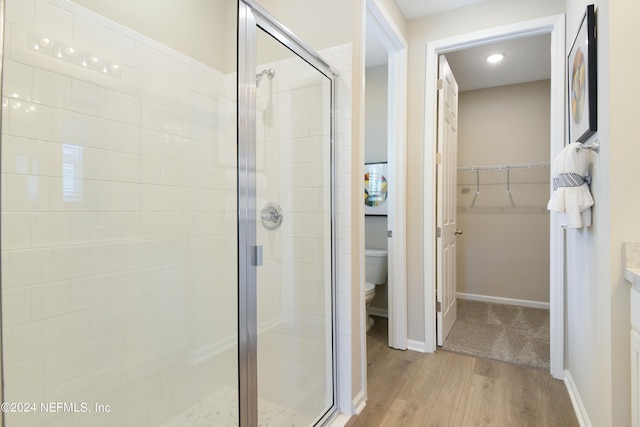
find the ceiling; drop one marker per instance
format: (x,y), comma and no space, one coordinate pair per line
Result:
(526,59)
(412,9)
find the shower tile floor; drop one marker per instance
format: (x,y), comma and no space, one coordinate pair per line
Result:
(221,409)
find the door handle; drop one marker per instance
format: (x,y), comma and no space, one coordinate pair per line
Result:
(458,232)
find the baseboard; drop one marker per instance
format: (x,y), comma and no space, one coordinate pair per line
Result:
(340,420)
(501,300)
(359,403)
(576,401)
(419,346)
(380,312)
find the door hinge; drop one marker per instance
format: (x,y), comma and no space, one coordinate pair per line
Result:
(440,84)
(389,233)
(438,307)
(438,232)
(438,158)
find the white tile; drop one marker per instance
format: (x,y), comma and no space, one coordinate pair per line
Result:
(22,342)
(46,158)
(20,12)
(58,367)
(148,59)
(51,299)
(51,89)
(16,230)
(29,120)
(18,81)
(50,229)
(63,201)
(70,262)
(120,48)
(119,226)
(123,166)
(16,155)
(70,127)
(16,306)
(94,164)
(69,330)
(102,133)
(30,267)
(88,98)
(53,22)
(102,196)
(89,37)
(130,197)
(20,49)
(130,139)
(89,357)
(87,226)
(122,108)
(107,320)
(18,381)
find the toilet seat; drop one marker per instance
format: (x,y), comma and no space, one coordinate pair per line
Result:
(369,287)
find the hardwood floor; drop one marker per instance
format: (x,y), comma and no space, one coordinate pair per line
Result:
(407,388)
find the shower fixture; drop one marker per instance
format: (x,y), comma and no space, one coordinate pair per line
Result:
(269,73)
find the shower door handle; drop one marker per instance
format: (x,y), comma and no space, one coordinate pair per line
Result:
(257,255)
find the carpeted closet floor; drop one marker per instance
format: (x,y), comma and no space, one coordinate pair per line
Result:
(502,332)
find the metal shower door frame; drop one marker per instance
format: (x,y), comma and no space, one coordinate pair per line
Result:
(252,16)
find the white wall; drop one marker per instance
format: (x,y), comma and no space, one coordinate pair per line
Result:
(597,295)
(488,14)
(504,251)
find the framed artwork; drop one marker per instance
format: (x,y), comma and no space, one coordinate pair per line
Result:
(376,185)
(582,80)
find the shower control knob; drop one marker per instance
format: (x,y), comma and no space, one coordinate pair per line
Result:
(271,216)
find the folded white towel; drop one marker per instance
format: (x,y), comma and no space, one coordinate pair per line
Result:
(571,196)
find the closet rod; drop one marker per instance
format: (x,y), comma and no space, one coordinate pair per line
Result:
(504,167)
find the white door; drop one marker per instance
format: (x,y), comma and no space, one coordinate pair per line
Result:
(446,202)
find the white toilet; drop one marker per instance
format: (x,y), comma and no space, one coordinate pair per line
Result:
(375,267)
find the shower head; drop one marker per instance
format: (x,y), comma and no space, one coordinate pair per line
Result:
(269,73)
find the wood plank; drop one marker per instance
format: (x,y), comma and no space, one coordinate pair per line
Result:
(489,368)
(522,405)
(557,409)
(404,414)
(447,406)
(485,403)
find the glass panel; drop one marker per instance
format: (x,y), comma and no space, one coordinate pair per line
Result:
(119,212)
(293,170)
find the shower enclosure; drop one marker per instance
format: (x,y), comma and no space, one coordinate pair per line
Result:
(167,233)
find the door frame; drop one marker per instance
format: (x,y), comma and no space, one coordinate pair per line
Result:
(554,25)
(380,23)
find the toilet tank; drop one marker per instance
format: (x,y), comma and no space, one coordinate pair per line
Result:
(375,266)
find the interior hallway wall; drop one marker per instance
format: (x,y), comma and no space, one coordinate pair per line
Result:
(504,251)
(597,344)
(484,15)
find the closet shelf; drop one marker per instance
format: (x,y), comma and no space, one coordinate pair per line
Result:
(519,186)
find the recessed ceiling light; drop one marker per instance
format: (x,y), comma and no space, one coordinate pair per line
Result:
(496,57)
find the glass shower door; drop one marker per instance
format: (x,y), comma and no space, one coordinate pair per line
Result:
(293,209)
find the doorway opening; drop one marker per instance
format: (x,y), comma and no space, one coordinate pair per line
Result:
(554,26)
(503,174)
(385,145)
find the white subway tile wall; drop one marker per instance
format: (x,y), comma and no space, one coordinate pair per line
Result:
(118,221)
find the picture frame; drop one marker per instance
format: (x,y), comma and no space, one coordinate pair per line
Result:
(376,186)
(582,80)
